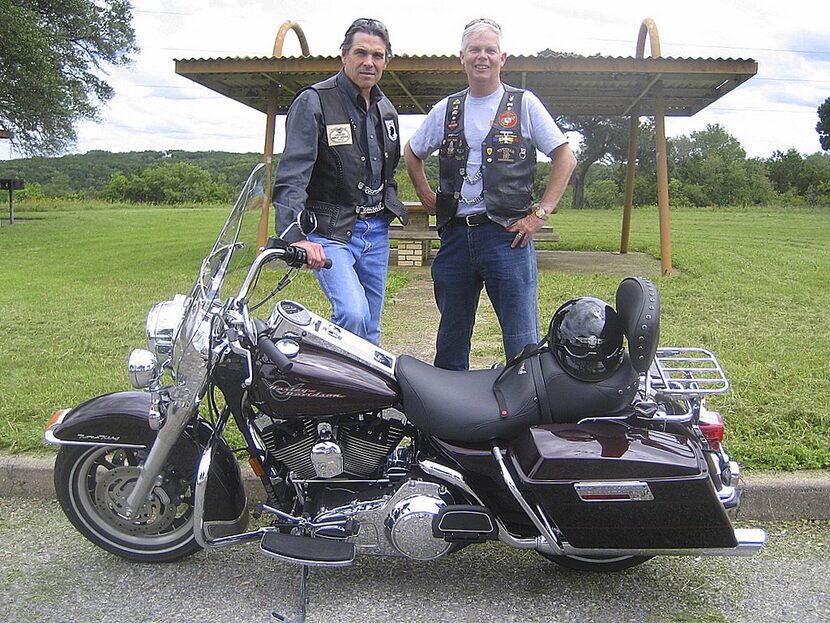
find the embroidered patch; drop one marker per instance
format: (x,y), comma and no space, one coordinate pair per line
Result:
(508,119)
(391,130)
(339,134)
(453,146)
(506,154)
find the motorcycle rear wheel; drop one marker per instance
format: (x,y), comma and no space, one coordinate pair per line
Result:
(597,564)
(92,485)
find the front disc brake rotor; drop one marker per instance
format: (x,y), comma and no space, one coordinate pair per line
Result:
(111,493)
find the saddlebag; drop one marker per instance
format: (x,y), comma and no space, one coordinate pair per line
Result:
(560,397)
(606,484)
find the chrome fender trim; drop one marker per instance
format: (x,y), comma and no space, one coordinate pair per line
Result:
(215,534)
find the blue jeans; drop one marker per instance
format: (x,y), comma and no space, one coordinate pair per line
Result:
(356,282)
(472,257)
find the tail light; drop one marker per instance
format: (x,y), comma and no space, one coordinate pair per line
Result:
(711,425)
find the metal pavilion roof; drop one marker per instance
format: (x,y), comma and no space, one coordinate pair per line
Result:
(568,85)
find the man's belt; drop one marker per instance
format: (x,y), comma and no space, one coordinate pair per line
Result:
(472,220)
(369,211)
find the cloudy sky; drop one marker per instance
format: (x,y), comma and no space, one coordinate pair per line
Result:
(155,109)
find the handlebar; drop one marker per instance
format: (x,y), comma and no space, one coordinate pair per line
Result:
(295,257)
(276,249)
(274,354)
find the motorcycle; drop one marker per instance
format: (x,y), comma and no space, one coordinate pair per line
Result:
(362,452)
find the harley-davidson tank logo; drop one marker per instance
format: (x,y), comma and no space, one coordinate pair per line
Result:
(283,390)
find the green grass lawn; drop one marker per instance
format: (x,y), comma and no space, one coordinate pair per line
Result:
(751,285)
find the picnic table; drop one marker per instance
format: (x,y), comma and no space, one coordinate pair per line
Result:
(415,238)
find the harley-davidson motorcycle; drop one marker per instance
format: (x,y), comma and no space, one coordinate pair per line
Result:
(360,451)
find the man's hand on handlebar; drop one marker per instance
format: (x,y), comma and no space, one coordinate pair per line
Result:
(315,256)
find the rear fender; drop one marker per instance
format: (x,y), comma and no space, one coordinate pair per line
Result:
(117,419)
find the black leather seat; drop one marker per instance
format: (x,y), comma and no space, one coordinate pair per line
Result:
(460,405)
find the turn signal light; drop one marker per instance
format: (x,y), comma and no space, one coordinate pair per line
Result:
(56,418)
(711,425)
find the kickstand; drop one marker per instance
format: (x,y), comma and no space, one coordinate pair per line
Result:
(300,616)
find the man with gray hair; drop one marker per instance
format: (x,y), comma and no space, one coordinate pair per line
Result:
(487,136)
(341,149)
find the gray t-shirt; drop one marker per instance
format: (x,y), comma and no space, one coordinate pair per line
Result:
(537,125)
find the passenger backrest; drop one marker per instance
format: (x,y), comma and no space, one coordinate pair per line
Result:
(638,305)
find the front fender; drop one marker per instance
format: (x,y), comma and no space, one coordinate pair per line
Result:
(117,419)
(122,419)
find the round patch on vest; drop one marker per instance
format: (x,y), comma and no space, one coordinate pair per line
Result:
(508,119)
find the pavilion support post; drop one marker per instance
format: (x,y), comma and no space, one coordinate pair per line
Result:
(629,181)
(662,180)
(270,130)
(267,158)
(648,30)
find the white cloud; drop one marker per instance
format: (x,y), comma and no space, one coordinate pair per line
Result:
(156,109)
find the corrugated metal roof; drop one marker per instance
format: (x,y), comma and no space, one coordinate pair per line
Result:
(568,85)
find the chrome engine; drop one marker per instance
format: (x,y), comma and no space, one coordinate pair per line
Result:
(355,446)
(399,524)
(394,522)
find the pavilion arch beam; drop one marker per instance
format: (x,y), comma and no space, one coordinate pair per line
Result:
(271,128)
(648,29)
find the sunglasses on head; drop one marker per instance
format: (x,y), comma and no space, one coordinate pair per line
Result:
(483,20)
(365,22)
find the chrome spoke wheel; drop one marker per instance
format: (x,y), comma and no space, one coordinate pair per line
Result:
(93,484)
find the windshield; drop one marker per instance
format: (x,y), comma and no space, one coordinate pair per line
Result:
(222,270)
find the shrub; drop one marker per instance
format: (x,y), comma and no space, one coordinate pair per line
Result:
(603,194)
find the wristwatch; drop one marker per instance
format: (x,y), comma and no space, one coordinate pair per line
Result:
(540,213)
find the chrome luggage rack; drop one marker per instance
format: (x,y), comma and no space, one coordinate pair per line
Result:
(681,372)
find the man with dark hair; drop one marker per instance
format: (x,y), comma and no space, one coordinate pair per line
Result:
(341,149)
(487,137)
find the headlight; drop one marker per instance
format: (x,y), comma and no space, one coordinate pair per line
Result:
(143,368)
(163,321)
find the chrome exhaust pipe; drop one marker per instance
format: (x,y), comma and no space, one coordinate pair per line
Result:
(750,541)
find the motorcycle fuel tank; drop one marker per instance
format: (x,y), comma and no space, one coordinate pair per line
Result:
(321,382)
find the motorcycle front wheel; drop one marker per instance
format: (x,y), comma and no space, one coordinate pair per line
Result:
(597,564)
(92,485)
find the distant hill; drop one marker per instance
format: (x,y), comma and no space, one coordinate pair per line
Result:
(86,174)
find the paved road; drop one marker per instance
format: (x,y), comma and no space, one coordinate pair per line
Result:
(49,573)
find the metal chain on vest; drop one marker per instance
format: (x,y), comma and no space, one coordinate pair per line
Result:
(369,190)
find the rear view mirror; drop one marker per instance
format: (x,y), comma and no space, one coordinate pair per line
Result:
(306,223)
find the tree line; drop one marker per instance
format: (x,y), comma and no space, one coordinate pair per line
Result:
(53,54)
(706,168)
(146,176)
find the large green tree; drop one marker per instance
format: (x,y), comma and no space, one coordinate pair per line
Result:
(823,125)
(53,54)
(712,168)
(602,138)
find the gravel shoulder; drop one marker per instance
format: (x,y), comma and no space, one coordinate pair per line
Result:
(49,573)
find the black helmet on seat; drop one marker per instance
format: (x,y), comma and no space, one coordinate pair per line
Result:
(586,337)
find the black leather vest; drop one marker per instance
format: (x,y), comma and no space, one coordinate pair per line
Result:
(336,185)
(508,159)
